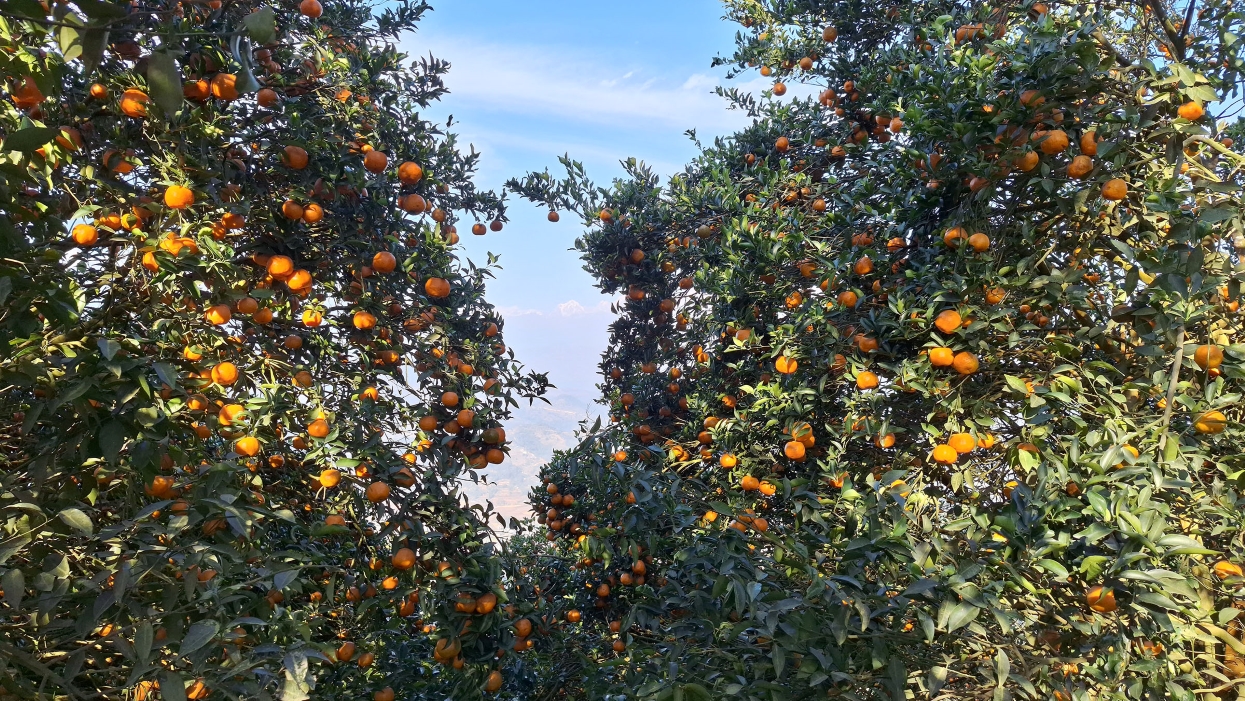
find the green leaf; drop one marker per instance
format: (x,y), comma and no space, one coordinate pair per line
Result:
(111,440)
(165,81)
(1053,567)
(6,287)
(261,25)
(93,41)
(26,8)
(1217,214)
(200,634)
(143,637)
(108,347)
(77,520)
(102,10)
(30,139)
(172,686)
(69,37)
(14,585)
(1093,566)
(1002,668)
(961,615)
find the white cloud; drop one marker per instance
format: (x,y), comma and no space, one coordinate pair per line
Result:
(539,81)
(518,311)
(566,309)
(574,308)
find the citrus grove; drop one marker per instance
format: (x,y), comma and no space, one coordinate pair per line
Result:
(244,374)
(929,385)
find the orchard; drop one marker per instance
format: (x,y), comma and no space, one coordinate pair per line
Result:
(926,386)
(245,375)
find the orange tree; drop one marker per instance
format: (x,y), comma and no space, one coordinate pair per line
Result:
(931,384)
(243,371)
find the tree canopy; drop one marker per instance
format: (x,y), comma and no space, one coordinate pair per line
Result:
(244,372)
(928,385)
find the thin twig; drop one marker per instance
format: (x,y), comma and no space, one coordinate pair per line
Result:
(1171,387)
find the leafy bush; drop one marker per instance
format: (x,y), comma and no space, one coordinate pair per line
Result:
(244,372)
(929,385)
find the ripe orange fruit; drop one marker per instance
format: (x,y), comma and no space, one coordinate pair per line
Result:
(848,299)
(864,266)
(1114,190)
(450,399)
(345,653)
(954,235)
(945,454)
(225,86)
(293,342)
(330,478)
(370,393)
(319,428)
(230,413)
(280,267)
(375,161)
(1031,98)
(178,197)
(1054,142)
(225,374)
(1208,357)
(962,442)
(1100,599)
(196,90)
(1225,569)
(295,157)
(267,97)
(404,559)
(979,242)
(573,616)
(310,8)
(247,446)
(1080,166)
(410,173)
(85,235)
(965,363)
(1191,111)
(292,210)
(941,357)
(786,365)
(134,103)
(299,280)
(1089,143)
(1210,422)
(218,315)
(884,440)
(794,450)
(1027,161)
(866,380)
(377,492)
(313,213)
(948,321)
(494,681)
(384,262)
(364,321)
(247,305)
(437,288)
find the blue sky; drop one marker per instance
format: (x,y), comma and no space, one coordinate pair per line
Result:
(602,80)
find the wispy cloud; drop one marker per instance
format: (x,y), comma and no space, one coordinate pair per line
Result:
(568,308)
(540,81)
(574,308)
